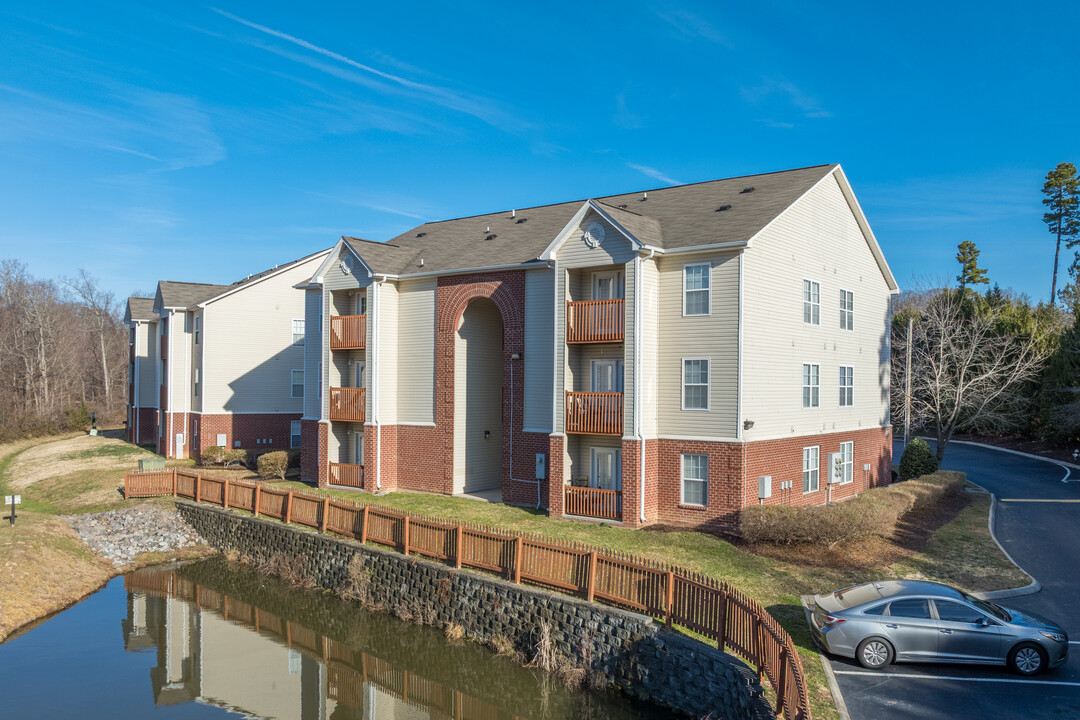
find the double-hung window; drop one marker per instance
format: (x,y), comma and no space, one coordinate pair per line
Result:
(696,289)
(847,310)
(695,479)
(297,384)
(847,385)
(695,384)
(847,462)
(198,327)
(294,434)
(297,332)
(811,387)
(811,302)
(810,458)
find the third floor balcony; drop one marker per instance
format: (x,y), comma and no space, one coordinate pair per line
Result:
(348,332)
(595,321)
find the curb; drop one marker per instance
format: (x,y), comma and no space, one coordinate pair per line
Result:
(830,676)
(1031,588)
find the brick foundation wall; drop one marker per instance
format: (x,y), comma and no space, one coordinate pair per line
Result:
(725,490)
(314,443)
(257,432)
(556,475)
(620,648)
(143,425)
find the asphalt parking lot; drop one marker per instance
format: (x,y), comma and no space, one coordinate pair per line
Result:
(1036,521)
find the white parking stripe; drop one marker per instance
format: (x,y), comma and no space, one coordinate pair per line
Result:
(913,676)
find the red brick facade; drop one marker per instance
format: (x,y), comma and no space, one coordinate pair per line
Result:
(142,425)
(256,432)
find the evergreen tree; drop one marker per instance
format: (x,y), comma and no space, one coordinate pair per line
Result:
(970,272)
(1062,198)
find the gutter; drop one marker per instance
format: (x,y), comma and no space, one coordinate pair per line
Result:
(377,312)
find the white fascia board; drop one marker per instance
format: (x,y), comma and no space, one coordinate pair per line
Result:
(549,251)
(277,272)
(638,245)
(333,253)
(864,225)
(732,245)
(527,265)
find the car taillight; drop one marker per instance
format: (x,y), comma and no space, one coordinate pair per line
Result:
(833,620)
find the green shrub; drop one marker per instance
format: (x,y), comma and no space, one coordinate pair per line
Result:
(918,460)
(77,417)
(273,464)
(235,457)
(213,455)
(874,512)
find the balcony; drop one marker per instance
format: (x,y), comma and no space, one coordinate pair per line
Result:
(163,398)
(348,332)
(347,475)
(593,502)
(594,413)
(595,321)
(131,393)
(164,347)
(347,404)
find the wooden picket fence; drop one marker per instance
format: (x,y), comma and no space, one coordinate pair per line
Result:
(712,608)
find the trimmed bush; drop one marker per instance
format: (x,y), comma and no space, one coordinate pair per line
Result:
(213,455)
(235,457)
(918,460)
(273,464)
(874,512)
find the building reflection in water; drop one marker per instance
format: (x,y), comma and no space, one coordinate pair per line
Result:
(220,651)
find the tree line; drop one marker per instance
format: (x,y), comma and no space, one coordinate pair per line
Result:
(63,353)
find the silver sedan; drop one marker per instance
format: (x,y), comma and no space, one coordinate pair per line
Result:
(913,621)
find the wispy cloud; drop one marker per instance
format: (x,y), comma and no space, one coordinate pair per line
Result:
(780,93)
(653,173)
(693,26)
(482,108)
(373,202)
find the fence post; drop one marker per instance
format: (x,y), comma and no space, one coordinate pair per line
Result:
(174,482)
(722,639)
(288,508)
(760,636)
(258,492)
(781,690)
(670,600)
(405,535)
(225,495)
(590,586)
(198,488)
(363,525)
(325,513)
(517,559)
(459,552)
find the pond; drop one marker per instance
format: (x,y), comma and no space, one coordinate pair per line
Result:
(216,639)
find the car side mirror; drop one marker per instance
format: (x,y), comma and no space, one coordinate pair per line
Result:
(982,622)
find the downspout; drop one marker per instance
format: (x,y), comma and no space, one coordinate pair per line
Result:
(637,381)
(560,342)
(377,313)
(135,382)
(171,440)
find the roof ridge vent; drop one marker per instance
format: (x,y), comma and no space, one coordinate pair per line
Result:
(723,208)
(746,190)
(492,236)
(421,234)
(521,220)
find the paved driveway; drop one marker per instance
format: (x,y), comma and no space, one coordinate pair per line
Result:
(1037,520)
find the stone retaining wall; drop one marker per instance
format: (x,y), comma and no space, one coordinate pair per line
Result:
(616,647)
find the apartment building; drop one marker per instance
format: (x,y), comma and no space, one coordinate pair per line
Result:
(670,356)
(220,364)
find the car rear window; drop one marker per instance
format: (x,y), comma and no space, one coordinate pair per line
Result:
(910,608)
(876,610)
(857,595)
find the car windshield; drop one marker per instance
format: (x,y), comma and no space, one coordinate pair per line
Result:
(988,607)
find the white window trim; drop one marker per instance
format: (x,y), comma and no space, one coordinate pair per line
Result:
(851,312)
(842,387)
(198,328)
(802,295)
(617,373)
(616,466)
(802,372)
(683,479)
(303,335)
(847,474)
(292,435)
(617,284)
(708,290)
(708,384)
(816,469)
(292,384)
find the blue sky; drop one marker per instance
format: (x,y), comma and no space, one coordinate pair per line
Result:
(148,141)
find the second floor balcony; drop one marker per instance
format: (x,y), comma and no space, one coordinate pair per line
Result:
(594,413)
(348,332)
(595,321)
(348,404)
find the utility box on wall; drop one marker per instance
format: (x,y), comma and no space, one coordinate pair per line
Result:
(764,487)
(541,466)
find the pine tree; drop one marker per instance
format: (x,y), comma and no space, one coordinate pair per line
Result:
(970,272)
(1062,191)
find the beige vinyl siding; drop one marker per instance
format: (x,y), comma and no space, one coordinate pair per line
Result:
(384,341)
(579,452)
(581,360)
(248,355)
(714,336)
(416,351)
(560,367)
(197,360)
(478,401)
(537,362)
(818,239)
(148,343)
(649,334)
(615,250)
(313,347)
(334,279)
(182,371)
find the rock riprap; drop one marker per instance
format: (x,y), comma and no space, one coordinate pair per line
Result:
(120,535)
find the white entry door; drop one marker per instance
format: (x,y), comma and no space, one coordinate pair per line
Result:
(606,469)
(607,376)
(607,285)
(358,375)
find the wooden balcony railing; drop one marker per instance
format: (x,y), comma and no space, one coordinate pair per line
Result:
(594,413)
(347,404)
(348,332)
(163,398)
(131,393)
(593,502)
(347,475)
(164,347)
(595,321)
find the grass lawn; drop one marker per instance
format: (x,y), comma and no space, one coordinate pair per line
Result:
(957,534)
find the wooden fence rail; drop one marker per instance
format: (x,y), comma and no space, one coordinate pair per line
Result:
(709,607)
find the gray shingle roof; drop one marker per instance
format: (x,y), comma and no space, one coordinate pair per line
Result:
(683,216)
(139,308)
(185,294)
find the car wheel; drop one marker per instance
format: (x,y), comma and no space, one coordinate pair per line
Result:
(1027,659)
(874,653)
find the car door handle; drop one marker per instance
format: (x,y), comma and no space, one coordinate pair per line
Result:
(891,626)
(947,632)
